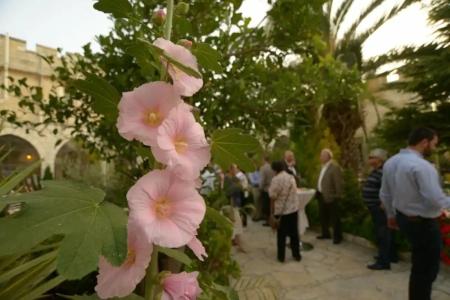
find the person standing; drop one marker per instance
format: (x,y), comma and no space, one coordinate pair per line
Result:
(290,165)
(255,181)
(329,193)
(413,199)
(266,174)
(370,194)
(284,206)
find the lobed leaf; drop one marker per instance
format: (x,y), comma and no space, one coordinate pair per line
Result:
(91,227)
(232,146)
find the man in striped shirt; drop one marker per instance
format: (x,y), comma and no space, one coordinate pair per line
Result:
(370,193)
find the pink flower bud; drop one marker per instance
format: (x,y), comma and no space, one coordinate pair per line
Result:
(181,286)
(159,17)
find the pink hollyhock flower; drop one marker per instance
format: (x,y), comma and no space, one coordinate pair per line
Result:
(121,281)
(168,209)
(142,111)
(197,247)
(185,84)
(181,144)
(182,286)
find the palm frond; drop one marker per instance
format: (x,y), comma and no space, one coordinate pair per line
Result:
(340,14)
(405,54)
(392,13)
(369,9)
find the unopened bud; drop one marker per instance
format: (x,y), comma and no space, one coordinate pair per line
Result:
(185,43)
(182,8)
(159,17)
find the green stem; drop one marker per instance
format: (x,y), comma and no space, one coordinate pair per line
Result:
(167,34)
(169,20)
(150,278)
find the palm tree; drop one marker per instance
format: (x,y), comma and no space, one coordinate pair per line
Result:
(348,48)
(426,74)
(317,29)
(343,117)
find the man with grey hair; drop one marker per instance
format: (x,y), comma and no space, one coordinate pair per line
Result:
(329,194)
(370,194)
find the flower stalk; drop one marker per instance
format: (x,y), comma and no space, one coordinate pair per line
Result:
(150,278)
(152,271)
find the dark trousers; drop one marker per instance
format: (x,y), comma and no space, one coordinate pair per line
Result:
(384,236)
(288,228)
(425,239)
(265,205)
(329,213)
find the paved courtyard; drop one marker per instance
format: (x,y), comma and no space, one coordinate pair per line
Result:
(327,272)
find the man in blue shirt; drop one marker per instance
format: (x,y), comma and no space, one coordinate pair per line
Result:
(413,199)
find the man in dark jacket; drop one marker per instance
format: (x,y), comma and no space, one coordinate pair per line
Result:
(329,193)
(370,193)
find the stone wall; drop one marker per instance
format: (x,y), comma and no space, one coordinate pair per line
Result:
(18,62)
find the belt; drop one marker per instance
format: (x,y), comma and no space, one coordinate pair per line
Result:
(417,218)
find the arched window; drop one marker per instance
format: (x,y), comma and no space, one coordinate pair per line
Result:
(21,154)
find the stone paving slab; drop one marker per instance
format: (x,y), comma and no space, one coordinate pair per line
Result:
(329,271)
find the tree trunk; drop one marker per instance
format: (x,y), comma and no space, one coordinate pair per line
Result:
(344,119)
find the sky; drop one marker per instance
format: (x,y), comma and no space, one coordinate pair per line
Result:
(70,24)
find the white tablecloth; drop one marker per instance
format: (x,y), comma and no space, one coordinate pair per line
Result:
(303,196)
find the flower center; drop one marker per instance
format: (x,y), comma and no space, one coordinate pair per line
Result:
(180,145)
(131,257)
(153,118)
(162,207)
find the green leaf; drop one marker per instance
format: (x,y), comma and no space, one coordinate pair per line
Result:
(118,8)
(26,266)
(207,56)
(158,53)
(215,216)
(139,50)
(11,182)
(176,254)
(231,146)
(21,284)
(43,288)
(105,96)
(91,227)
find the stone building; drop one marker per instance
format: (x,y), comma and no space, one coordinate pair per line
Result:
(18,62)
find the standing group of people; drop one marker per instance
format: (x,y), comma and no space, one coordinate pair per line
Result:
(401,193)
(404,193)
(282,191)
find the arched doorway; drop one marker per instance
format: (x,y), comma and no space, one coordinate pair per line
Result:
(73,162)
(21,154)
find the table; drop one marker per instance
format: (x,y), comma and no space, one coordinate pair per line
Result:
(303,197)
